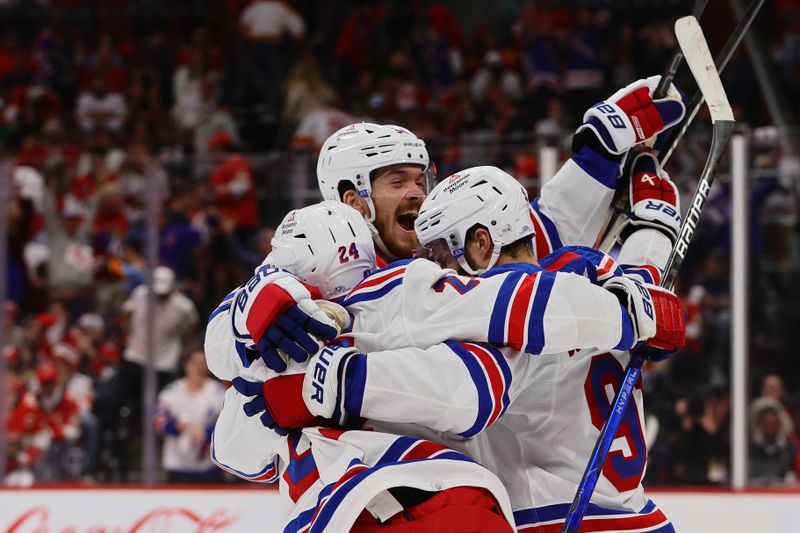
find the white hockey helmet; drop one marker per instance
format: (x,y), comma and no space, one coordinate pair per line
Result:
(327,245)
(478,195)
(354,151)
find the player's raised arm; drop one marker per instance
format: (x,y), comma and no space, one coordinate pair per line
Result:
(648,235)
(478,220)
(573,205)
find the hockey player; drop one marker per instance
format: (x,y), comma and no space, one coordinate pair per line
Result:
(545,413)
(384,171)
(328,477)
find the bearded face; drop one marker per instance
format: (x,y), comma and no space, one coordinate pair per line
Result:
(398,193)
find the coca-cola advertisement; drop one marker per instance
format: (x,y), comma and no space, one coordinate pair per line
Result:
(138,511)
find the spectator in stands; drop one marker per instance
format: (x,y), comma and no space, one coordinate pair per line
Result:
(187,91)
(98,107)
(61,420)
(180,242)
(175,324)
(187,411)
(80,388)
(71,258)
(134,176)
(264,23)
(305,90)
(495,75)
(216,117)
(110,221)
(551,128)
(318,125)
(239,251)
(773,395)
(86,336)
(772,456)
(234,186)
(358,44)
(26,434)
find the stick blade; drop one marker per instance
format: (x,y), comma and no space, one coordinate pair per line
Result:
(698,57)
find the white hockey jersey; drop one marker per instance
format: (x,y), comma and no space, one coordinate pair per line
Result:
(414,303)
(427,306)
(531,420)
(573,205)
(329,476)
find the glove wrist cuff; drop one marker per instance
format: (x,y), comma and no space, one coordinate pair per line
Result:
(633,225)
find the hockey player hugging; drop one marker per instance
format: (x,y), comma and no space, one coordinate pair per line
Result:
(464,395)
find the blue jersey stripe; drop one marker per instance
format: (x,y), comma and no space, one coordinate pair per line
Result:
(643,273)
(300,521)
(224,306)
(355,383)
(241,351)
(485,403)
(536,319)
(397,449)
(549,225)
(601,169)
(626,340)
(497,323)
(373,295)
(299,467)
(507,376)
(244,474)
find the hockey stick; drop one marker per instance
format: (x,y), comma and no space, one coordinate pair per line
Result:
(617,217)
(693,44)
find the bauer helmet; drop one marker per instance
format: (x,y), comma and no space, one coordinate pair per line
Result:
(327,245)
(353,152)
(478,195)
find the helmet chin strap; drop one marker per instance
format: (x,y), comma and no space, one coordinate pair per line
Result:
(462,261)
(382,249)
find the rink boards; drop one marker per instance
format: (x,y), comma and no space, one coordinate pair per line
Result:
(122,509)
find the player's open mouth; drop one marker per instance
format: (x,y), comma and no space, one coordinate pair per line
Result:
(406,220)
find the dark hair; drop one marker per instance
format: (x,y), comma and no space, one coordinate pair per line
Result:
(344,186)
(187,354)
(767,410)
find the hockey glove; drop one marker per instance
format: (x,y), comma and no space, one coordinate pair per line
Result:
(657,315)
(277,402)
(275,311)
(334,383)
(628,117)
(654,199)
(293,401)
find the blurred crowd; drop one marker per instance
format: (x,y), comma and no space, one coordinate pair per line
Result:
(204,119)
